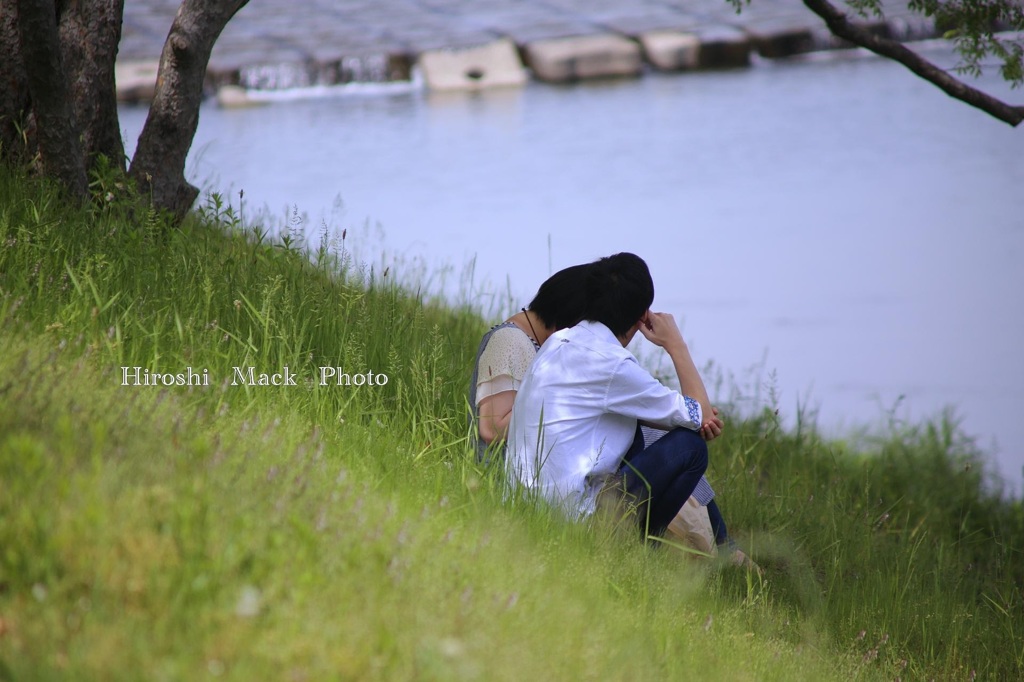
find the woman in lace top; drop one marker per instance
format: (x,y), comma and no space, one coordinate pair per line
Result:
(508,348)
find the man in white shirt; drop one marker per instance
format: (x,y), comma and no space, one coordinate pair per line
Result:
(574,426)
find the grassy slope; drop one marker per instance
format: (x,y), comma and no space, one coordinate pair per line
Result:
(318,532)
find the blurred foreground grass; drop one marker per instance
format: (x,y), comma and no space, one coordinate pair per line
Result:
(334,532)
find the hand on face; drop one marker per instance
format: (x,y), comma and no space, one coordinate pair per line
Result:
(660,329)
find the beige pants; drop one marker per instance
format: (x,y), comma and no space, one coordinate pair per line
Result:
(691,528)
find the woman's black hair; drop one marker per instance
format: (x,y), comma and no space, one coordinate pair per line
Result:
(561,300)
(619,291)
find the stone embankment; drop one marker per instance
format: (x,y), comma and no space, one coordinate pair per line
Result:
(271,45)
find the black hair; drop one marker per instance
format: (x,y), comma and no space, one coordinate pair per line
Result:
(619,291)
(561,300)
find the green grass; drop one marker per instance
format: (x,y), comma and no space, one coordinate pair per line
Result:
(324,532)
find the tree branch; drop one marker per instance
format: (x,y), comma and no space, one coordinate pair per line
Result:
(839,26)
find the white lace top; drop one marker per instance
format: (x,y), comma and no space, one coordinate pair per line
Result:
(504,361)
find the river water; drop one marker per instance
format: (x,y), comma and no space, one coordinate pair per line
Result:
(833,232)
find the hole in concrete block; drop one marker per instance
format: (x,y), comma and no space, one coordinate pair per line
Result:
(474,73)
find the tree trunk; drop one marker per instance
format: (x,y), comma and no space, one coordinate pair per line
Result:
(60,148)
(159,163)
(90,31)
(14,99)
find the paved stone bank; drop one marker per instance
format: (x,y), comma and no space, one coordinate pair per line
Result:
(472,44)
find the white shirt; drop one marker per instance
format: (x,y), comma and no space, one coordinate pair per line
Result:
(576,412)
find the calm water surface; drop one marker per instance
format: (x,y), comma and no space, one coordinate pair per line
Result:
(839,231)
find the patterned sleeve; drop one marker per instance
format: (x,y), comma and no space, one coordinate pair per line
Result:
(504,362)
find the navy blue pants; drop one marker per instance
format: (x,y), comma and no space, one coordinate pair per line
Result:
(718,524)
(662,476)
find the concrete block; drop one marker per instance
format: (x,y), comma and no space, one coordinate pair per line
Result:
(235,97)
(373,67)
(136,81)
(779,38)
(495,64)
(825,40)
(671,50)
(562,60)
(911,27)
(276,75)
(260,50)
(723,47)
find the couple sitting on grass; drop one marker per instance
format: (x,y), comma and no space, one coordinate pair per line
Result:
(575,418)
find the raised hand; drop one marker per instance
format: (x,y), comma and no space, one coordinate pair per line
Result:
(661,330)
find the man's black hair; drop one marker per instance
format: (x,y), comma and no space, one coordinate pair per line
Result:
(561,299)
(619,291)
